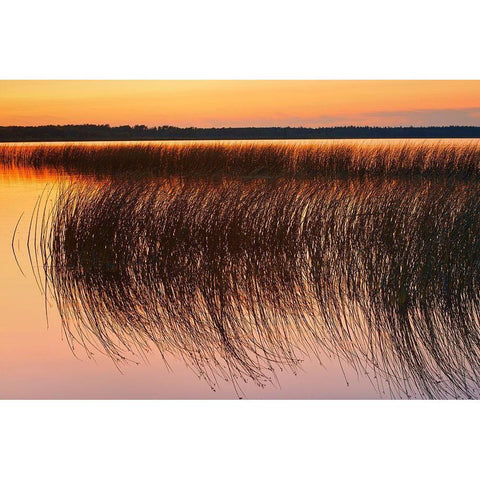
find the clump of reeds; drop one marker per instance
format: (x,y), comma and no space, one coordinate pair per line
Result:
(242,278)
(252,159)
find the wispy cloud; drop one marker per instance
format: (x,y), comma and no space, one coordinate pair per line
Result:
(420,117)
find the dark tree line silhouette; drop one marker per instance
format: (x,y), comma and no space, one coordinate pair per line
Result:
(167,132)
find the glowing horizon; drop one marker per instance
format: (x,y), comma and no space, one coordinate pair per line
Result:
(246,103)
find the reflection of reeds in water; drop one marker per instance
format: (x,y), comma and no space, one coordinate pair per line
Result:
(242,278)
(252,159)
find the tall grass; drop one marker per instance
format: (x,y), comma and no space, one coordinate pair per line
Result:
(245,278)
(252,159)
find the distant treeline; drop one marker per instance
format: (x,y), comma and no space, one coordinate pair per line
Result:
(142,132)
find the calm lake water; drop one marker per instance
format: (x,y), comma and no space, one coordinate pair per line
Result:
(251,288)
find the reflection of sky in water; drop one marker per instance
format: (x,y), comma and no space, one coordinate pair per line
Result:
(37,363)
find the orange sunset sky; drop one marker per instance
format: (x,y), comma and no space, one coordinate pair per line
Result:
(240,103)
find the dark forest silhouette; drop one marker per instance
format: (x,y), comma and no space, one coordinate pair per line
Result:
(142,132)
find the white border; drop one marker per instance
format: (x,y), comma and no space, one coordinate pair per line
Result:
(252,39)
(259,440)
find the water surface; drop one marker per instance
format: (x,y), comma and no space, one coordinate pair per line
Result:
(227,288)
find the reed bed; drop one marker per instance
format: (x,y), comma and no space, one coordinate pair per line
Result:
(252,159)
(246,278)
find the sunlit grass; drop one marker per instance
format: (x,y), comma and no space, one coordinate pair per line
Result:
(252,159)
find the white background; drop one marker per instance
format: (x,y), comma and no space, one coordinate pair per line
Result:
(179,39)
(239,40)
